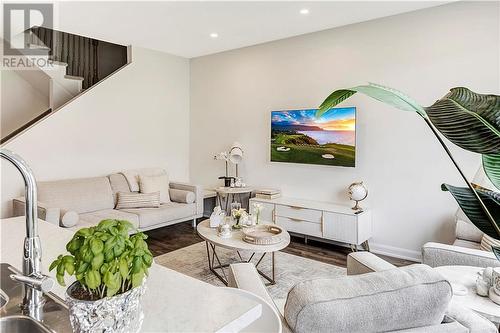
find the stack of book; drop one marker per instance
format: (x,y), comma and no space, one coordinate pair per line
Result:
(268,193)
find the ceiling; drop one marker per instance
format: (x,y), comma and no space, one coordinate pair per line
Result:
(183,28)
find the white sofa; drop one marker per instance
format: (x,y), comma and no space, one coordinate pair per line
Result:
(94,199)
(465,250)
(376,297)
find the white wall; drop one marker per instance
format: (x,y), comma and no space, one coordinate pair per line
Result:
(422,53)
(138,117)
(21,100)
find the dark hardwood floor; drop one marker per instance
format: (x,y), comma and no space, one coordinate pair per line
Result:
(171,238)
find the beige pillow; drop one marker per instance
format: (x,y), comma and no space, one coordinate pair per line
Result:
(160,183)
(127,200)
(69,218)
(182,196)
(487,242)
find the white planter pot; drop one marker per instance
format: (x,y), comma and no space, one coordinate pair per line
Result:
(121,313)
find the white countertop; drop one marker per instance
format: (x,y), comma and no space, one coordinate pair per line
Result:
(173,302)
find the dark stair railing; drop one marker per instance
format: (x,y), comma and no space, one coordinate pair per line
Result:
(89,58)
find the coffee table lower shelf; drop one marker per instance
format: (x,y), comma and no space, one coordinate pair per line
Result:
(213,256)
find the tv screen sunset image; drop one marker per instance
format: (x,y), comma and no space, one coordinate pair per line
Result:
(298,136)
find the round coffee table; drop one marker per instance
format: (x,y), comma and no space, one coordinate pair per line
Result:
(466,276)
(237,244)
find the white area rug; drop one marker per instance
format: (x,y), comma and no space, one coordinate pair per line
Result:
(290,269)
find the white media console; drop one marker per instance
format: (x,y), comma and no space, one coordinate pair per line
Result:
(322,220)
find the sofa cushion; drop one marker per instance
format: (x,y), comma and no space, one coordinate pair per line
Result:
(118,184)
(127,200)
(157,183)
(467,244)
(395,299)
(93,218)
(487,242)
(69,218)
(167,212)
(80,195)
(468,231)
(132,176)
(182,196)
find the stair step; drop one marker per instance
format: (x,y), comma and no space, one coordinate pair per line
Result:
(58,63)
(71,77)
(38,47)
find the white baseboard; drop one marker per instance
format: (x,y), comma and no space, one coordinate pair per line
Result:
(396,252)
(386,250)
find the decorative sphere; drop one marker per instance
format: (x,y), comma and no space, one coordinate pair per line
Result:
(357,191)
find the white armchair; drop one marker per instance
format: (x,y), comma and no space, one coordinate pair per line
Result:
(465,250)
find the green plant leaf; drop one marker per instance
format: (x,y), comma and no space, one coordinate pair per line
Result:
(85,232)
(69,265)
(97,261)
(96,245)
(81,267)
(123,268)
(60,268)
(383,94)
(137,279)
(491,166)
(137,264)
(111,292)
(496,252)
(93,279)
(60,279)
(472,208)
(54,264)
(469,120)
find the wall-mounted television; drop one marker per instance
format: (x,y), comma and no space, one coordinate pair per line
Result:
(298,136)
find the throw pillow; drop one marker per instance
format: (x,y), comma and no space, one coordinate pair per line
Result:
(69,218)
(182,196)
(159,183)
(127,200)
(487,242)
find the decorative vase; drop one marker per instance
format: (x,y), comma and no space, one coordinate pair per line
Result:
(118,314)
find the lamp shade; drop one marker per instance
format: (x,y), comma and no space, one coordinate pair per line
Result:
(236,153)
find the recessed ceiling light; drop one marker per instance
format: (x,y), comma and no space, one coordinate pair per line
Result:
(304,11)
(214,35)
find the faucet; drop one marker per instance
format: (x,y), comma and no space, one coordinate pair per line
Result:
(34,282)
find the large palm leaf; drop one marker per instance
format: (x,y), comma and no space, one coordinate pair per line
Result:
(471,207)
(467,119)
(491,165)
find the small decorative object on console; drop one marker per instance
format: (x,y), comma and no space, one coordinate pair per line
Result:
(217,217)
(357,192)
(268,193)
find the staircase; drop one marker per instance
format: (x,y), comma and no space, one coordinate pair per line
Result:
(74,64)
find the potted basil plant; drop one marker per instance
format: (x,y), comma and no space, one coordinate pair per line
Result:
(110,267)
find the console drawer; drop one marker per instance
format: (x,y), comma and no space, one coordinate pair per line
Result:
(299,226)
(309,215)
